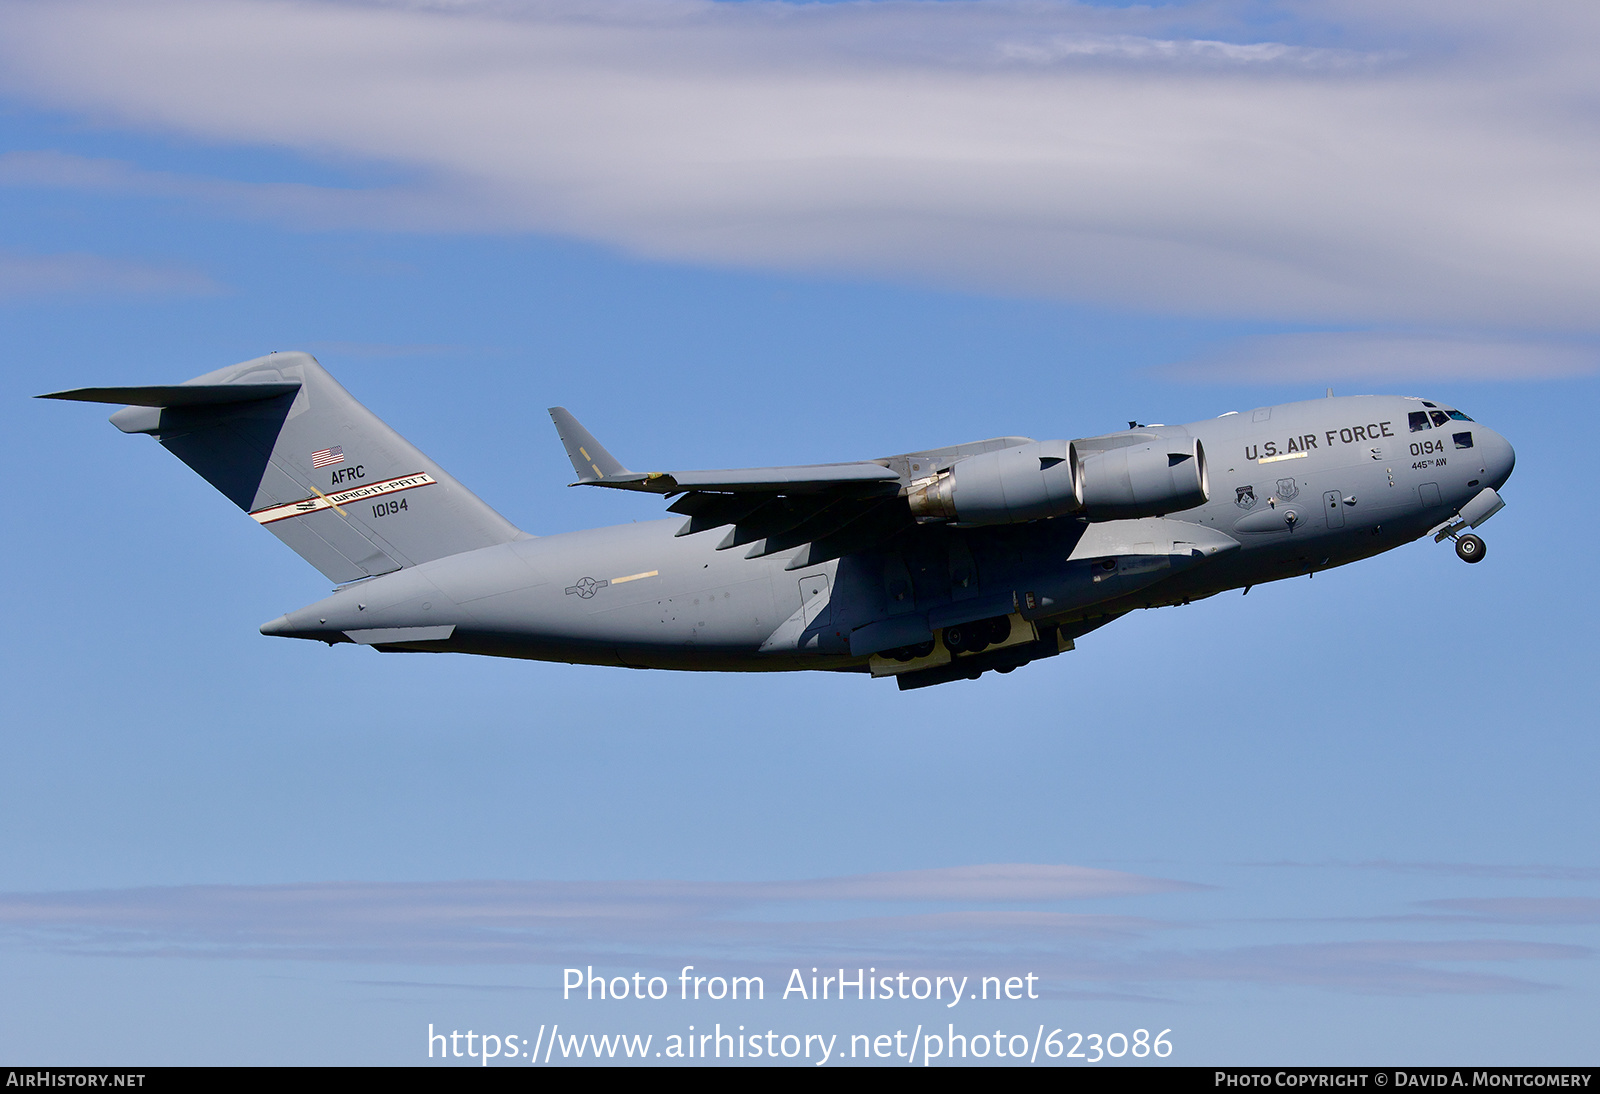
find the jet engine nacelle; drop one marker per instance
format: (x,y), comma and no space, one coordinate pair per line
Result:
(1143,480)
(1007,486)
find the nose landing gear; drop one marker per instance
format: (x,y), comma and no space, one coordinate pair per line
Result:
(1469,548)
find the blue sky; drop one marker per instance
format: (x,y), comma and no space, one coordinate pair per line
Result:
(1343,820)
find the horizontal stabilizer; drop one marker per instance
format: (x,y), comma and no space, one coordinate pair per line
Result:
(176,394)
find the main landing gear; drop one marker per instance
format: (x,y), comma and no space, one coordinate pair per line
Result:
(977,636)
(1469,548)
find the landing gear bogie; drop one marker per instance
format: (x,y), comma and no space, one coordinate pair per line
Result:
(977,636)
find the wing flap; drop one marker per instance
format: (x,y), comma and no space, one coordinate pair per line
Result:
(824,522)
(708,511)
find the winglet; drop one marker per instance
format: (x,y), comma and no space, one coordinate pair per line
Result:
(589,457)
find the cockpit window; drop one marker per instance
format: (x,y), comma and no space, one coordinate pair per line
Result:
(1463,440)
(1419,420)
(1460,417)
(1426,403)
(1439,417)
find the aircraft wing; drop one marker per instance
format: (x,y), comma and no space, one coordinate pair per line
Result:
(828,510)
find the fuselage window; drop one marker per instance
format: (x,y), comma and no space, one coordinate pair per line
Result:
(1463,440)
(1460,417)
(1419,420)
(1439,417)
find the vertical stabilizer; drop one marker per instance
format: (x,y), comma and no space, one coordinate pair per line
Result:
(286,443)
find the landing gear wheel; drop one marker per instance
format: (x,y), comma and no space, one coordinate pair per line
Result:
(910,653)
(1469,548)
(966,638)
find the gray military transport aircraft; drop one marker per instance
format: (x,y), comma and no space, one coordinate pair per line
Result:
(927,567)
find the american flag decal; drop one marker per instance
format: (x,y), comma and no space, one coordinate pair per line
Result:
(327,457)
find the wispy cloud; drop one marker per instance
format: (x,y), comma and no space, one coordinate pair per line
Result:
(1512,871)
(1363,163)
(1376,357)
(548,921)
(27,275)
(1007,882)
(1386,967)
(1128,47)
(1523,909)
(759,925)
(390,350)
(292,203)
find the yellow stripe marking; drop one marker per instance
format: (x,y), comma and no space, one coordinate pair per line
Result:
(1285,456)
(585,452)
(329,500)
(635,577)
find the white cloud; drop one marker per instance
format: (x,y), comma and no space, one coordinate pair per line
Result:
(26,275)
(1430,163)
(1375,357)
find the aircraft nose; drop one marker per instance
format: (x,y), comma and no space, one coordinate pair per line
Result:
(1498,458)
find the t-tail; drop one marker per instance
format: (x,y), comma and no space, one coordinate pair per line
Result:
(287,444)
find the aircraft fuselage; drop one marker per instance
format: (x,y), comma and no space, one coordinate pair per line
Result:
(1293,489)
